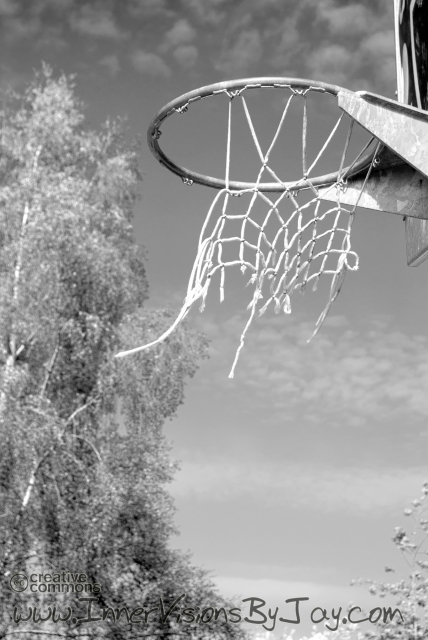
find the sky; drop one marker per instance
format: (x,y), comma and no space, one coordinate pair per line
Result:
(295,473)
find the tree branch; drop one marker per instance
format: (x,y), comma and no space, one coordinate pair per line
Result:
(39,412)
(90,444)
(11,359)
(25,344)
(49,370)
(78,410)
(37,466)
(32,481)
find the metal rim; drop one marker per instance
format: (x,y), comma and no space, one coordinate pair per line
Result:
(181,104)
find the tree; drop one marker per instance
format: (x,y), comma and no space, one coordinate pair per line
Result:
(84,462)
(411,593)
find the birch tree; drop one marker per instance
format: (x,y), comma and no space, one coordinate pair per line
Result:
(84,463)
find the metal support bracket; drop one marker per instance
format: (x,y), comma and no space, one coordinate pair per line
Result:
(400,189)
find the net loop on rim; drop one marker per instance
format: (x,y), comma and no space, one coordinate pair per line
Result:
(289,244)
(183,109)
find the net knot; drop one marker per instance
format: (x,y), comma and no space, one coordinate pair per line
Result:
(234,94)
(299,92)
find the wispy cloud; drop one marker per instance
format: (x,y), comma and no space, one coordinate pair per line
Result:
(348,44)
(377,51)
(97,21)
(111,62)
(57,6)
(343,377)
(286,35)
(181,33)
(8,7)
(345,43)
(207,11)
(148,8)
(52,37)
(150,63)
(186,55)
(345,65)
(295,485)
(276,591)
(350,20)
(331,63)
(28,20)
(354,44)
(14,26)
(246,51)
(10,79)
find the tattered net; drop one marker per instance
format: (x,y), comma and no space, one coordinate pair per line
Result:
(284,240)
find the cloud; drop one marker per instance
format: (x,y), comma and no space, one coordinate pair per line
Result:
(297,485)
(186,55)
(8,8)
(371,59)
(181,33)
(111,62)
(11,80)
(14,24)
(97,21)
(150,63)
(14,27)
(351,20)
(206,11)
(289,40)
(343,377)
(246,51)
(349,44)
(331,63)
(52,37)
(358,49)
(276,591)
(59,6)
(378,44)
(148,8)
(378,51)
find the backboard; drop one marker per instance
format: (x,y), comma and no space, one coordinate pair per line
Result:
(402,125)
(411,39)
(411,32)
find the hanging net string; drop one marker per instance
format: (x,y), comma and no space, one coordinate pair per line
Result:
(289,244)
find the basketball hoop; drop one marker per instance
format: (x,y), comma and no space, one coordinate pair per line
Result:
(292,243)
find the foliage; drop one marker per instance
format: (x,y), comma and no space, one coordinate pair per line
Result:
(84,462)
(411,594)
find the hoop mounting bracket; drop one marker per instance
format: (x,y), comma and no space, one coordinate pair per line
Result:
(402,128)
